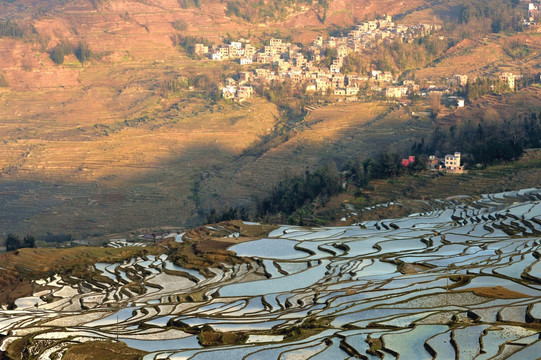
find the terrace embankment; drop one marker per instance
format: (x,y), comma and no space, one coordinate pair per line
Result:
(205,247)
(24,265)
(202,248)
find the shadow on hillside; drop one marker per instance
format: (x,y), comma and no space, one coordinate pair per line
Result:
(182,189)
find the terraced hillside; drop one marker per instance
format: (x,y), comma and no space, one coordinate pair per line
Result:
(96,147)
(327,136)
(100,146)
(462,282)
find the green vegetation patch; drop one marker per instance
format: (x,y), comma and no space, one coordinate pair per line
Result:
(208,337)
(517,50)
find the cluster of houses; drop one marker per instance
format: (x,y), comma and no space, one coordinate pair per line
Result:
(449,163)
(236,90)
(303,67)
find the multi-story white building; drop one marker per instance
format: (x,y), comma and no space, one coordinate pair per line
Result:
(452,163)
(508,78)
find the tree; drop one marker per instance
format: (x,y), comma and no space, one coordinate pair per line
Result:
(12,242)
(387,165)
(352,64)
(83,52)
(29,241)
(3,81)
(435,103)
(57,55)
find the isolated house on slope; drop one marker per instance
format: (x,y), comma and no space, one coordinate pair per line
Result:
(452,163)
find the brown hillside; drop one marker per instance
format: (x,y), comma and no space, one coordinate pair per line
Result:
(101,147)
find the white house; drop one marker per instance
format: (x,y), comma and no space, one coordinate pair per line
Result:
(452,163)
(217,56)
(245,61)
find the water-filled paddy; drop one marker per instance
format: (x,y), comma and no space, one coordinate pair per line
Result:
(459,282)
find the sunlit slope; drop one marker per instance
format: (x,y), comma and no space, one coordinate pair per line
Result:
(126,177)
(326,137)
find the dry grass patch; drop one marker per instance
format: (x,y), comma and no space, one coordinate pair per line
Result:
(498,292)
(205,246)
(209,337)
(99,350)
(408,269)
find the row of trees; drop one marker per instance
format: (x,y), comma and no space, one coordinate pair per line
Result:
(481,142)
(81,51)
(185,4)
(504,15)
(207,85)
(486,142)
(476,18)
(233,213)
(13,242)
(292,193)
(174,84)
(383,166)
(10,29)
(483,86)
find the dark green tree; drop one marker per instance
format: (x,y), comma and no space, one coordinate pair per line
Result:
(12,242)
(57,55)
(29,241)
(83,52)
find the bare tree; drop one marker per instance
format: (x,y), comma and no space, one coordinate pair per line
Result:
(435,103)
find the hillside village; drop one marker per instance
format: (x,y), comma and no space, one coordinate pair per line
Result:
(283,61)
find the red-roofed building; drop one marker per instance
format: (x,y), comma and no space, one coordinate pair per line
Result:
(407,162)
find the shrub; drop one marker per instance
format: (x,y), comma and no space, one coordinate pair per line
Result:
(233,9)
(180,25)
(517,50)
(188,43)
(56,238)
(174,84)
(3,81)
(57,55)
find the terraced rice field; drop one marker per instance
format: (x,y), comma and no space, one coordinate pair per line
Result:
(463,282)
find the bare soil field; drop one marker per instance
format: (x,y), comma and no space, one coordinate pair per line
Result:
(486,57)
